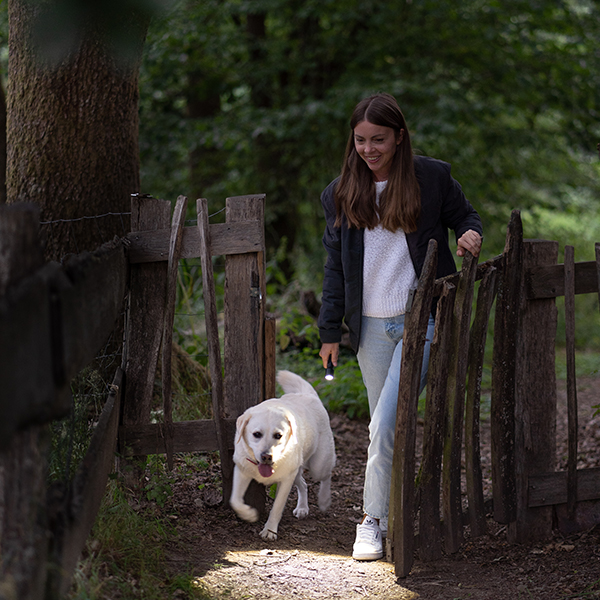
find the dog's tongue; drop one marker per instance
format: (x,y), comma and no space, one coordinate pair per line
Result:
(265,470)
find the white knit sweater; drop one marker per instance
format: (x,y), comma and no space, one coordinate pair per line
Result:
(388,272)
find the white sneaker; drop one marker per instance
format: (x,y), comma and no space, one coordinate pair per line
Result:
(368,545)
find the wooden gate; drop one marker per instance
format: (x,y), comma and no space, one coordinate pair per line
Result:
(525,280)
(249,358)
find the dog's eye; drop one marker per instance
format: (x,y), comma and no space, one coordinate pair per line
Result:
(277,436)
(257,435)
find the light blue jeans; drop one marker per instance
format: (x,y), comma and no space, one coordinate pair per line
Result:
(379,357)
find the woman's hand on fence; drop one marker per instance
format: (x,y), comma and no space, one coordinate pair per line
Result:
(471,241)
(328,350)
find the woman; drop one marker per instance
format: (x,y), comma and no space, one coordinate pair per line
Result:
(381,213)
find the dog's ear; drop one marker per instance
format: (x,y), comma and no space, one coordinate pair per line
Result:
(292,423)
(240,426)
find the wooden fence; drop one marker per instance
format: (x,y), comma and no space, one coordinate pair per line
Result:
(527,492)
(53,321)
(249,335)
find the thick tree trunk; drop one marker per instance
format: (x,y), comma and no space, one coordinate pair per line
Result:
(72,148)
(2,146)
(72,137)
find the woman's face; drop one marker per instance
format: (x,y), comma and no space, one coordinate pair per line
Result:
(376,145)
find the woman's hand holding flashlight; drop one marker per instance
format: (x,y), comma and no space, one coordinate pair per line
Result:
(329,354)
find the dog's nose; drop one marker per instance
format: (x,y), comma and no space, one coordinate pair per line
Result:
(266,458)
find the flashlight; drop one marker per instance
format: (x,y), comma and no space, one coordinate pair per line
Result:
(329,370)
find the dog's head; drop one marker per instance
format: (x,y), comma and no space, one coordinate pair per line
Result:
(266,433)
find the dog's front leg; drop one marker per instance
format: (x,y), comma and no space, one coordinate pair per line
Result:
(269,531)
(301,509)
(241,481)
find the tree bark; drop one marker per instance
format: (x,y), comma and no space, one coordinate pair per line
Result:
(2,145)
(72,136)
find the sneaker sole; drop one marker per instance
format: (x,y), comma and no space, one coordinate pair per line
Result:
(372,556)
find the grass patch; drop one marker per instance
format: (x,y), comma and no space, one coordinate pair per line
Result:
(124,557)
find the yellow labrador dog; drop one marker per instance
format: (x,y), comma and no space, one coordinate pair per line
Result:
(274,442)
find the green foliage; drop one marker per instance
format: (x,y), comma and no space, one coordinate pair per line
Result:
(240,98)
(345,394)
(125,555)
(296,325)
(587,364)
(158,486)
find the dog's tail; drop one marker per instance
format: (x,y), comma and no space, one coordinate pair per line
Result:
(294,384)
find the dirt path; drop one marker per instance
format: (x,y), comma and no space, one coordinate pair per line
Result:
(312,557)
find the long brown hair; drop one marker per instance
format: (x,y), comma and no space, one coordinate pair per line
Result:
(400,202)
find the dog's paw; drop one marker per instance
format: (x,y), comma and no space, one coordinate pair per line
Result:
(300,512)
(267,534)
(324,504)
(247,513)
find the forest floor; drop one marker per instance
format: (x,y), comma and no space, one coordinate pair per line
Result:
(312,557)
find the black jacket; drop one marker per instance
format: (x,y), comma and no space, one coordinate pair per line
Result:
(443,207)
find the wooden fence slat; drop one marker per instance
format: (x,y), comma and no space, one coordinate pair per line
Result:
(49,323)
(270,358)
(503,374)
(430,545)
(548,281)
(482,269)
(457,374)
(23,467)
(212,334)
(244,328)
(474,476)
(28,390)
(188,436)
(167,337)
(548,489)
(226,238)
(76,516)
(402,496)
(146,309)
(571,378)
(535,399)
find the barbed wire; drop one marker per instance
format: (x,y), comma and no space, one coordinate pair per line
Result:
(117,214)
(108,214)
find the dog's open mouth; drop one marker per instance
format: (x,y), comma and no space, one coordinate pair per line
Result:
(265,470)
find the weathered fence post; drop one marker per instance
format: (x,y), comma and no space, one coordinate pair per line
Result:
(474,476)
(457,375)
(245,290)
(212,335)
(571,380)
(23,517)
(270,358)
(430,545)
(167,336)
(147,300)
(535,396)
(503,374)
(402,495)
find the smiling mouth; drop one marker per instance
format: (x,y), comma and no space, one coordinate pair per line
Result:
(373,158)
